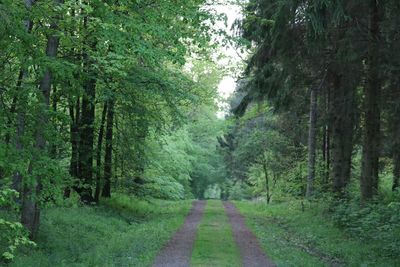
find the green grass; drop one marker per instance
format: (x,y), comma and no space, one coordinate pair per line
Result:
(120,232)
(292,237)
(215,245)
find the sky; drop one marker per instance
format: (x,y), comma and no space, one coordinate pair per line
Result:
(228,82)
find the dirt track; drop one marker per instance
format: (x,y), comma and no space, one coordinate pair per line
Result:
(250,250)
(178,250)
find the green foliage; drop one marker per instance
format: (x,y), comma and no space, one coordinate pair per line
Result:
(90,54)
(296,231)
(378,223)
(12,233)
(123,231)
(262,138)
(168,172)
(213,192)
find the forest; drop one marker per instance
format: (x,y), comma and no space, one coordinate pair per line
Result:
(118,130)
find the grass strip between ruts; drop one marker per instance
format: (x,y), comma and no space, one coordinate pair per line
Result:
(215,245)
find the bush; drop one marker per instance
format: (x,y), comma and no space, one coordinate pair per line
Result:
(372,222)
(240,191)
(12,233)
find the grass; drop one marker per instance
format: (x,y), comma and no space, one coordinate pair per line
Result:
(215,245)
(292,237)
(120,232)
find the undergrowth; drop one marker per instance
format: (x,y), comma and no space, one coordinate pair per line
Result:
(122,231)
(296,234)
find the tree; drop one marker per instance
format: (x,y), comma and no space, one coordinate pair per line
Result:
(371,139)
(30,212)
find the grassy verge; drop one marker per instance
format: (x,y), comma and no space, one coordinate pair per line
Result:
(120,232)
(292,237)
(215,245)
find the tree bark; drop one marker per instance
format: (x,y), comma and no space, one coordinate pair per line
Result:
(74,139)
(396,167)
(371,137)
(325,146)
(86,129)
(86,142)
(30,212)
(312,142)
(98,156)
(342,123)
(108,152)
(266,180)
(54,99)
(394,130)
(328,137)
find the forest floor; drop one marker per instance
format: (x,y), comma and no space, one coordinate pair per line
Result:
(122,231)
(125,231)
(222,240)
(296,235)
(177,252)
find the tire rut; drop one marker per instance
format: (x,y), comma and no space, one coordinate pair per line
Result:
(250,249)
(178,251)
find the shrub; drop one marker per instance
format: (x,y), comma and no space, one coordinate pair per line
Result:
(12,233)
(372,222)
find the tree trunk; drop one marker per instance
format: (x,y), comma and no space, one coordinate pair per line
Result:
(86,140)
(394,130)
(312,142)
(396,167)
(98,156)
(108,153)
(54,99)
(20,96)
(328,137)
(74,139)
(30,212)
(267,183)
(371,137)
(265,169)
(342,120)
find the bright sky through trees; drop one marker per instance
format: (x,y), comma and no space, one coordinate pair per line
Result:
(228,83)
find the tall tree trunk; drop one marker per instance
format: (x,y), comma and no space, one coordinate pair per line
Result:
(74,139)
(86,129)
(86,142)
(30,212)
(328,137)
(20,97)
(325,146)
(54,99)
(312,142)
(371,136)
(98,156)
(396,166)
(342,120)
(394,130)
(108,153)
